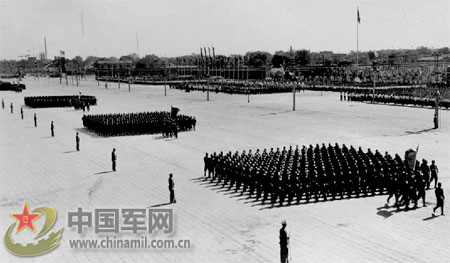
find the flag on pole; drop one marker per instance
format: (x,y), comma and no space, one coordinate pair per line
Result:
(358,17)
(174,111)
(410,157)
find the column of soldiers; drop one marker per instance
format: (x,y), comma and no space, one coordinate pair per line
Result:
(418,95)
(395,99)
(59,101)
(12,86)
(318,172)
(139,123)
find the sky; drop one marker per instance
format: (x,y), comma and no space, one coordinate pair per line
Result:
(180,27)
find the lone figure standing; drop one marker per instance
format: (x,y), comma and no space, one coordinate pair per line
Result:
(439,199)
(171,189)
(21,112)
(77,140)
(35,120)
(12,108)
(3,104)
(52,128)
(113,159)
(284,242)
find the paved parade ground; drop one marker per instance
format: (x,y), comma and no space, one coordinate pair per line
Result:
(222,226)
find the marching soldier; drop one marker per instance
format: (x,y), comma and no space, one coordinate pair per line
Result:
(426,173)
(434,173)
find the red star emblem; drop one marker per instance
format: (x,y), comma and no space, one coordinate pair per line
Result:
(25,219)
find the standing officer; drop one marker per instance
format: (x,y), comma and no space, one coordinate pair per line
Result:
(284,243)
(35,120)
(77,140)
(439,199)
(113,159)
(21,112)
(434,173)
(171,189)
(52,128)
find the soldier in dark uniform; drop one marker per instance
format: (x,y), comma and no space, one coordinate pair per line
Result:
(284,243)
(434,173)
(35,120)
(12,108)
(171,189)
(425,169)
(113,159)
(3,104)
(439,199)
(207,165)
(77,140)
(52,129)
(21,112)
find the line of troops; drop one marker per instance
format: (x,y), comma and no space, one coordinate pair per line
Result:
(419,94)
(12,86)
(318,173)
(400,100)
(139,123)
(60,101)
(240,86)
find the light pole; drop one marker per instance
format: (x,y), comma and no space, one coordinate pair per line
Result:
(129,78)
(374,70)
(437,99)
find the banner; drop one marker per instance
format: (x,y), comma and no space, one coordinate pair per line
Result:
(410,157)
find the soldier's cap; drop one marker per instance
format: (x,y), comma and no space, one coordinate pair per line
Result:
(283,222)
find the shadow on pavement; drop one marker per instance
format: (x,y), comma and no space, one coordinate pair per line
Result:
(105,172)
(419,132)
(430,218)
(69,151)
(158,205)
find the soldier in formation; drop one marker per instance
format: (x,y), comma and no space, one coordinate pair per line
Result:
(138,123)
(60,101)
(316,173)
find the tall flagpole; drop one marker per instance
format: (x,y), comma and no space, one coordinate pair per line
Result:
(357,36)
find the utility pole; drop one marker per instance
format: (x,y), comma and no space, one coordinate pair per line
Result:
(129,79)
(293,98)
